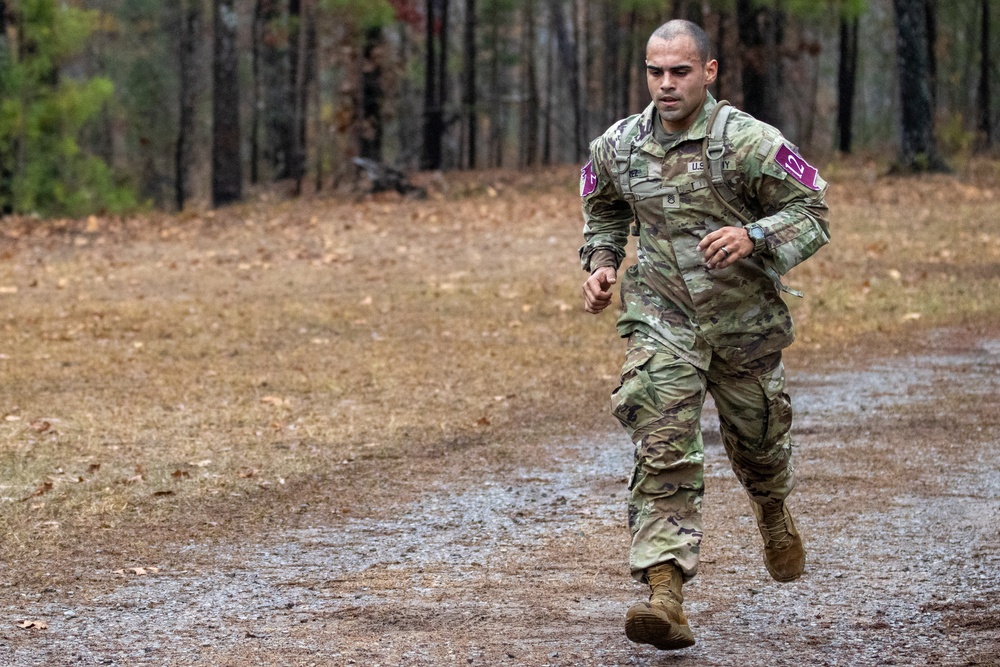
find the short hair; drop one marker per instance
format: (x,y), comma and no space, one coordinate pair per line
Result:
(678,28)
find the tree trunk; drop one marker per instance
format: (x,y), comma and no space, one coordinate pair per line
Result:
(550,59)
(985,115)
(256,37)
(610,77)
(6,168)
(296,93)
(581,25)
(570,64)
(497,116)
(442,95)
(530,106)
(917,147)
(761,31)
(189,41)
(846,80)
(469,95)
(628,65)
(433,114)
(227,173)
(275,67)
(319,131)
(719,55)
(371,96)
(930,11)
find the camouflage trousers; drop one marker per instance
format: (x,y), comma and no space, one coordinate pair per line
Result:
(659,402)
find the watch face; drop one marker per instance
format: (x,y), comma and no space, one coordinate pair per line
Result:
(756,233)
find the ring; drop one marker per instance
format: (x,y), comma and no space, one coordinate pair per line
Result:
(723,249)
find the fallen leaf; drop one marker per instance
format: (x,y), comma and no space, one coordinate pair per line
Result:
(40,426)
(93,467)
(483,421)
(37,625)
(163,493)
(274,400)
(180,473)
(42,488)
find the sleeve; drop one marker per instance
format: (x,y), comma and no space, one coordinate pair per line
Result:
(606,216)
(792,196)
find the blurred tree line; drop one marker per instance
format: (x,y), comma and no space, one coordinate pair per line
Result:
(106,105)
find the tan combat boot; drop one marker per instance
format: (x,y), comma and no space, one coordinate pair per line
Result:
(660,621)
(784,555)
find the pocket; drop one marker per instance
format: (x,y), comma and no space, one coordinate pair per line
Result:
(635,403)
(779,407)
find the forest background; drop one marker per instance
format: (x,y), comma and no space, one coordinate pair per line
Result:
(111,106)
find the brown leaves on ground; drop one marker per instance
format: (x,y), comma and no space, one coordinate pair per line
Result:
(41,489)
(272,341)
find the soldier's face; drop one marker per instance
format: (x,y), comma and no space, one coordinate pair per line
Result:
(678,81)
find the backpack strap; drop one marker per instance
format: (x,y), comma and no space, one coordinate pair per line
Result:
(714,148)
(623,159)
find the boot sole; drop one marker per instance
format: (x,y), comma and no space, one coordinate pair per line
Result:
(643,626)
(785,579)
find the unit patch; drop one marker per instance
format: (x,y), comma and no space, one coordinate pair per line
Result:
(588,179)
(796,167)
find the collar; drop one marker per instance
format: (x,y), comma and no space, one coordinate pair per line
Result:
(697,132)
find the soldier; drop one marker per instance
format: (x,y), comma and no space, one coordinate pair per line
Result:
(722,205)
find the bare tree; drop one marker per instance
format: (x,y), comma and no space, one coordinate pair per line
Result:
(568,59)
(918,150)
(227,173)
(296,89)
(371,96)
(846,80)
(761,31)
(6,170)
(985,115)
(469,83)
(435,84)
(190,39)
(530,106)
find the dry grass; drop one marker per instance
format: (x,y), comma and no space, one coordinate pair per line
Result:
(207,372)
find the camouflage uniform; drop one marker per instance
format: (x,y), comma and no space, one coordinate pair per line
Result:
(692,330)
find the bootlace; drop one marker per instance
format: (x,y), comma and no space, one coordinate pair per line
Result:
(778,536)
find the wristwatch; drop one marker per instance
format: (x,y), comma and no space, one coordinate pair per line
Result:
(756,234)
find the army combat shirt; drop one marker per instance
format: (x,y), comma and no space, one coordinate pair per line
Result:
(669,294)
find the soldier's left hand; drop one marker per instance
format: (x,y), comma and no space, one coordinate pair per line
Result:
(724,246)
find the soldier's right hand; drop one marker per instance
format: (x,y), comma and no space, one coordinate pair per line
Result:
(597,290)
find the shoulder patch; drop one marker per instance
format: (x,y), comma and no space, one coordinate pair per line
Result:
(796,167)
(588,179)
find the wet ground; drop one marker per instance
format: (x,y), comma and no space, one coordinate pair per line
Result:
(471,561)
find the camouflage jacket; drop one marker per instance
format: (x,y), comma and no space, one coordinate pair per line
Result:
(669,294)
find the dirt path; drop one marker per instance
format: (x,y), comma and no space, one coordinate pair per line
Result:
(479,562)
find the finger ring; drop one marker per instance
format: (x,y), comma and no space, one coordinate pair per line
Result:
(723,248)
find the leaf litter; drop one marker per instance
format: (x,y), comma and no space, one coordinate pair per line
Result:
(448,541)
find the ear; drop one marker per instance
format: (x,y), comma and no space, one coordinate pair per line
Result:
(711,71)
